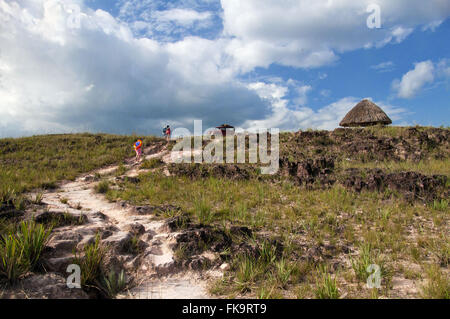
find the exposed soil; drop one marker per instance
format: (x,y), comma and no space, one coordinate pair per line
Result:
(361,144)
(175,257)
(137,240)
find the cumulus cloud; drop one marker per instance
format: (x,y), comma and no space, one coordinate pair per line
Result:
(310,33)
(287,116)
(169,20)
(184,17)
(99,77)
(413,81)
(149,66)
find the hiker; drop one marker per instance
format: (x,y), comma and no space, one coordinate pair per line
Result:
(138,149)
(167,133)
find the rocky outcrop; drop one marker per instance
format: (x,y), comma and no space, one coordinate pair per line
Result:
(411,185)
(231,171)
(43,286)
(309,171)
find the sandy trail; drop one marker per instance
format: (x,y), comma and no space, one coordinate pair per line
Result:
(157,278)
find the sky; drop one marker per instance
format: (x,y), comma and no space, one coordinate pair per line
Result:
(132,66)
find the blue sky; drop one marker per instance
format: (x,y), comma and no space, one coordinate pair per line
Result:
(134,66)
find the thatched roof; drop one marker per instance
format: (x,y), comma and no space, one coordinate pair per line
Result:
(365,113)
(224,126)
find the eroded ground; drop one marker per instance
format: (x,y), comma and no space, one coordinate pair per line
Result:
(341,201)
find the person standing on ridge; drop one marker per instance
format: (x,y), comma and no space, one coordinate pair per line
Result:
(138,149)
(168,133)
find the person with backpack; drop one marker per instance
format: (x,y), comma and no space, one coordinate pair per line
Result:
(138,149)
(167,132)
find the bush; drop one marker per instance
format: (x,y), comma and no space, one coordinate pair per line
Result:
(91,262)
(152,163)
(102,187)
(20,252)
(203,211)
(13,264)
(33,237)
(114,283)
(326,287)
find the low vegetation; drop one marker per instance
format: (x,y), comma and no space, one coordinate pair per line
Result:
(316,240)
(21,249)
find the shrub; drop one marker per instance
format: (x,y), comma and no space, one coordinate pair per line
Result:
(91,262)
(12,262)
(102,187)
(283,270)
(326,287)
(114,283)
(32,238)
(152,163)
(203,211)
(246,272)
(367,257)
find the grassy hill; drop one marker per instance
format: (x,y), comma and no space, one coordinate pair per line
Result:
(40,162)
(341,201)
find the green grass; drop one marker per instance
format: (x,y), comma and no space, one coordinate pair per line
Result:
(91,262)
(367,256)
(426,167)
(114,283)
(20,251)
(13,263)
(438,284)
(102,187)
(33,238)
(326,285)
(152,163)
(312,226)
(42,161)
(317,216)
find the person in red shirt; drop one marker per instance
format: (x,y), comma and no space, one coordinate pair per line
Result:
(168,133)
(138,149)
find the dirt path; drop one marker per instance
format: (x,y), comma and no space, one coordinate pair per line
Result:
(154,268)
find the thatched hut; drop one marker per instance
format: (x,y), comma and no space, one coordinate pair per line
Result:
(365,113)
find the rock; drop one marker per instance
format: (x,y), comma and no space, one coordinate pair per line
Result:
(90,178)
(64,245)
(224,267)
(99,215)
(195,241)
(241,231)
(199,263)
(411,184)
(10,212)
(120,241)
(88,240)
(178,222)
(135,228)
(58,264)
(44,286)
(148,236)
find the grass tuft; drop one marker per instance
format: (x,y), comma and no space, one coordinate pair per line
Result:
(326,286)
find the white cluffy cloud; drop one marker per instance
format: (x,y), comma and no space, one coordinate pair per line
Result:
(119,74)
(99,77)
(424,73)
(287,116)
(311,33)
(184,17)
